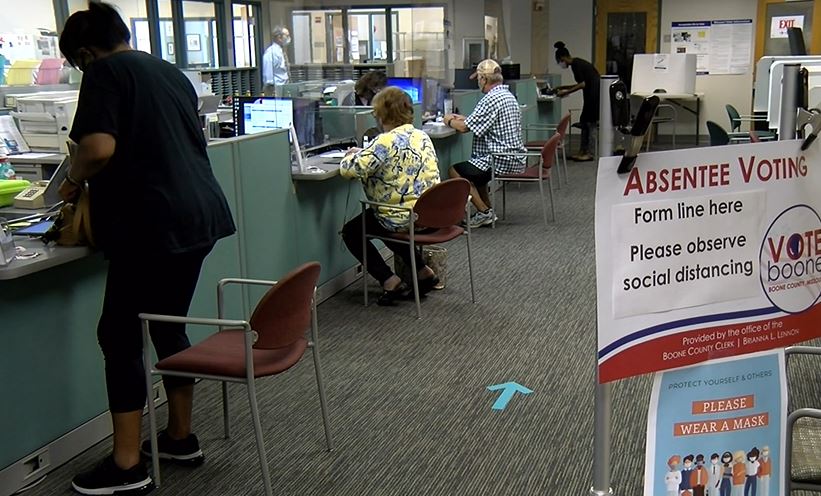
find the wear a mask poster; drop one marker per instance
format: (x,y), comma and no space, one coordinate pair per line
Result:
(718,429)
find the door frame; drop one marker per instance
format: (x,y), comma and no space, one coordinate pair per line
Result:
(652,41)
(762,27)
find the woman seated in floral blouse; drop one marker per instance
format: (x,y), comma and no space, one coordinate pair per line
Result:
(395,168)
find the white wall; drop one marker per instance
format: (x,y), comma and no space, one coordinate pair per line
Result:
(718,90)
(570,21)
(24,18)
(517,15)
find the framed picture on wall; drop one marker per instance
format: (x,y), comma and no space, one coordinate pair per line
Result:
(193,42)
(170,48)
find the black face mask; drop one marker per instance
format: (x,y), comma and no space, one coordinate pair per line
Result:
(84,59)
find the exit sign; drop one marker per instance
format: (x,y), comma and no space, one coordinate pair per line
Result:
(780,24)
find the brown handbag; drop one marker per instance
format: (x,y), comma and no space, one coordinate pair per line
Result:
(72,226)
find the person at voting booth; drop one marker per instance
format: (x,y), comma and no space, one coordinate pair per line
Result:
(587,80)
(156,211)
(367,86)
(395,169)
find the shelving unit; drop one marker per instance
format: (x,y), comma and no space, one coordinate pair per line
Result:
(313,72)
(229,81)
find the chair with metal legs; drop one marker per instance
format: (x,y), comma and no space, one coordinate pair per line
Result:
(540,173)
(243,351)
(562,129)
(434,219)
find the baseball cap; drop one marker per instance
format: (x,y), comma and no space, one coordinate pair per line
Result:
(486,68)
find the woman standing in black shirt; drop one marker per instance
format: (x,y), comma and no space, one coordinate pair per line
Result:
(156,212)
(587,80)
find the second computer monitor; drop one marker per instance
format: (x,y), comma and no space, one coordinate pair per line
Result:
(414,87)
(257,114)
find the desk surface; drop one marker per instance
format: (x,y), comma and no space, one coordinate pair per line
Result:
(671,96)
(436,131)
(49,256)
(319,169)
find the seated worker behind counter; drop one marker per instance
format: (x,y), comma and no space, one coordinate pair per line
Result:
(371,83)
(396,168)
(496,123)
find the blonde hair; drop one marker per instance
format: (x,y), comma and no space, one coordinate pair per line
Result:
(393,107)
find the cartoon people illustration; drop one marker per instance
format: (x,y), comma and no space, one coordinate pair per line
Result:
(751,468)
(684,485)
(739,473)
(699,477)
(727,474)
(714,475)
(764,470)
(672,478)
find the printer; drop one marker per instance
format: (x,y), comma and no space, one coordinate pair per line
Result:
(45,120)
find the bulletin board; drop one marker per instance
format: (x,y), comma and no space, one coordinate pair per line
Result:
(721,46)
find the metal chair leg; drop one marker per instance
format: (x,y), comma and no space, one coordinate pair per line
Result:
(504,200)
(364,259)
(552,204)
(225,418)
(152,414)
(558,167)
(320,384)
(263,461)
(544,207)
(470,270)
(415,278)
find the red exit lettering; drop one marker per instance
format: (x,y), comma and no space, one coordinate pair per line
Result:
(786,23)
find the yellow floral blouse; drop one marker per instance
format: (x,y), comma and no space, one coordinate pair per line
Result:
(395,168)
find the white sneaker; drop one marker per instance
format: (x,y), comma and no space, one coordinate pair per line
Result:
(480,219)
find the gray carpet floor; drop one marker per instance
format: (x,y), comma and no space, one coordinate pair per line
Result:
(410,411)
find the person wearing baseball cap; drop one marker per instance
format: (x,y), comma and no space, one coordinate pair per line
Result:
(496,124)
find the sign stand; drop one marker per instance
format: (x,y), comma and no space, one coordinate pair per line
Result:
(603,404)
(789,102)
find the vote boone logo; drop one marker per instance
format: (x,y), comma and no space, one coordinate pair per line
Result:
(791,259)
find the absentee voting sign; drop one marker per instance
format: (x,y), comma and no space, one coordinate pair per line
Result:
(706,253)
(718,428)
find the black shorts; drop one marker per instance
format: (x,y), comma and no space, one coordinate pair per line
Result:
(473,174)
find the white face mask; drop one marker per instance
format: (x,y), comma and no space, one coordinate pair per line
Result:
(286,41)
(563,64)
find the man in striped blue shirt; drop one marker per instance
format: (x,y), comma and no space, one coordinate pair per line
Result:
(496,124)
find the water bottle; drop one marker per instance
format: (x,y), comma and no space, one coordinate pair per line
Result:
(6,172)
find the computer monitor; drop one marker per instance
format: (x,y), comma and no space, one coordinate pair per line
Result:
(308,122)
(462,81)
(258,114)
(414,87)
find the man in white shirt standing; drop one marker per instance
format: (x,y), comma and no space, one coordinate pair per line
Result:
(275,61)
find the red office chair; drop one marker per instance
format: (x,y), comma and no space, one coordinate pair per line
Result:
(561,129)
(438,211)
(538,174)
(271,342)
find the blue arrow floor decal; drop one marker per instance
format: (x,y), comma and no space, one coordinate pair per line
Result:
(509,389)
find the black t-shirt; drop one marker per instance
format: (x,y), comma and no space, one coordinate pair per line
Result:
(584,71)
(157,194)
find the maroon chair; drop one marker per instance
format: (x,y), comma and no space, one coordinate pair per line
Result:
(437,212)
(538,174)
(561,129)
(271,342)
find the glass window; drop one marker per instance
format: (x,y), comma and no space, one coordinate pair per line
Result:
(134,15)
(27,37)
(367,35)
(245,34)
(201,43)
(318,36)
(419,41)
(168,49)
